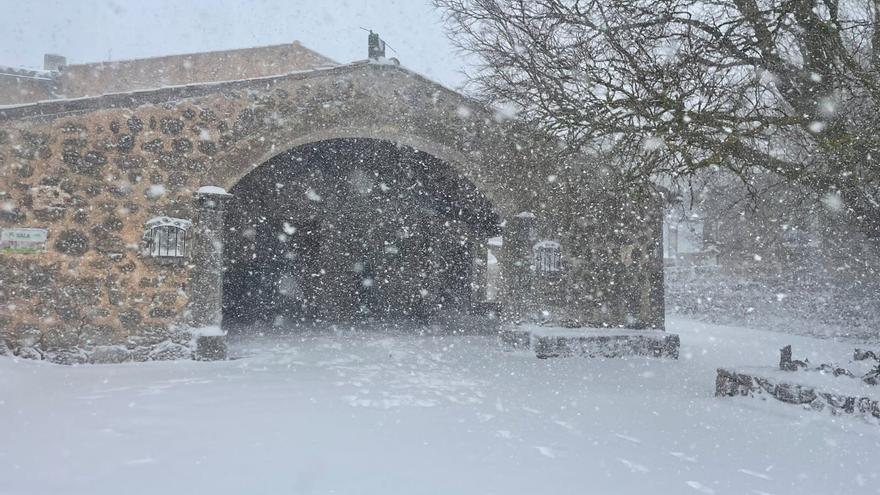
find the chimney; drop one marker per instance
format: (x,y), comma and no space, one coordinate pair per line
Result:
(376,46)
(53,62)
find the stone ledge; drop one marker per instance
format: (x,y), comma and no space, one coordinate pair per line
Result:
(729,383)
(592,342)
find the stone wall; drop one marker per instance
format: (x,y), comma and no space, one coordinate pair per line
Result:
(94,171)
(613,252)
(24,86)
(733,384)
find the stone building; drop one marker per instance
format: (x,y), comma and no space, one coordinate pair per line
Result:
(273,182)
(58,80)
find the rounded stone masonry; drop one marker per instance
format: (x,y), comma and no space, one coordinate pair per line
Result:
(72,242)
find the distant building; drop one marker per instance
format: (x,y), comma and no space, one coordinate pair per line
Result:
(59,80)
(685,243)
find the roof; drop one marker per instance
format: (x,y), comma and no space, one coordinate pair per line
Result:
(119,76)
(26,73)
(294,43)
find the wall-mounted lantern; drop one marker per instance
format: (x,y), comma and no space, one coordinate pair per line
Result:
(167,238)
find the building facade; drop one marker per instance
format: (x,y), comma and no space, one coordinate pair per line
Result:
(117,207)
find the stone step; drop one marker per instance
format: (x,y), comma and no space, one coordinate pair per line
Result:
(549,342)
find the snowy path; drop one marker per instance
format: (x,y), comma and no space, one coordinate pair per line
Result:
(380,413)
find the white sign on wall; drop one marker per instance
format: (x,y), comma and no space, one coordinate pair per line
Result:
(23,240)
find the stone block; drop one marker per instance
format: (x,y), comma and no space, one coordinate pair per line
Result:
(72,243)
(27,352)
(182,145)
(13,216)
(58,338)
(109,244)
(165,298)
(135,125)
(50,214)
(210,348)
(171,126)
(124,143)
(130,319)
(168,350)
(74,144)
(96,335)
(67,356)
(730,383)
(149,282)
(109,354)
(153,146)
(24,335)
(162,312)
(550,342)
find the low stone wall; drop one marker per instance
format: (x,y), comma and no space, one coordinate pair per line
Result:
(593,343)
(59,347)
(804,301)
(160,345)
(733,384)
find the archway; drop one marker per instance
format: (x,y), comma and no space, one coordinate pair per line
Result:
(353,228)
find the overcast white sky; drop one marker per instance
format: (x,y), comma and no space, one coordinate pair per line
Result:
(97,30)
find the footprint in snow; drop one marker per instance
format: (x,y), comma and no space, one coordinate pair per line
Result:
(683,456)
(755,474)
(564,424)
(633,466)
(628,438)
(546,451)
(696,485)
(483,417)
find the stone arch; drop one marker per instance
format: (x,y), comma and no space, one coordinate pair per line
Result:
(457,246)
(454,157)
(495,155)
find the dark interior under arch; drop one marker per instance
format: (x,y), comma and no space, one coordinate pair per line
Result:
(350,229)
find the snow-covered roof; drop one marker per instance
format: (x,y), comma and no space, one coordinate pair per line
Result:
(46,75)
(180,223)
(212,190)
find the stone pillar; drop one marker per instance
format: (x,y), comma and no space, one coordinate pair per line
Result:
(618,278)
(654,306)
(479,272)
(206,289)
(519,236)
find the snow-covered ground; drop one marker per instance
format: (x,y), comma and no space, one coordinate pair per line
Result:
(393,412)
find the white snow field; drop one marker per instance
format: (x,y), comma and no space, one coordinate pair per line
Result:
(381,412)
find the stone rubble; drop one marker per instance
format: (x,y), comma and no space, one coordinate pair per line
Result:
(730,383)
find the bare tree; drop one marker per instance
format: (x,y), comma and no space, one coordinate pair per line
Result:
(786,87)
